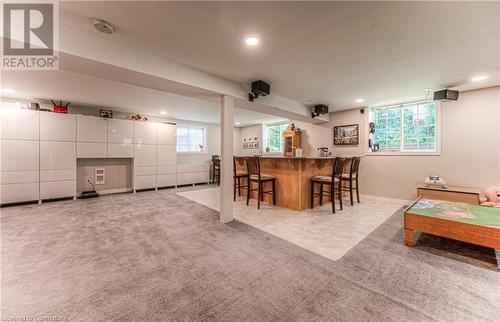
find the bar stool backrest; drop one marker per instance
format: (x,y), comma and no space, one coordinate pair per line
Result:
(338,167)
(355,165)
(253,166)
(216,164)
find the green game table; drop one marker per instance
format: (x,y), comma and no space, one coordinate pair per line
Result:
(469,223)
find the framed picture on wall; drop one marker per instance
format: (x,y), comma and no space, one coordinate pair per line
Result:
(245,145)
(255,145)
(346,134)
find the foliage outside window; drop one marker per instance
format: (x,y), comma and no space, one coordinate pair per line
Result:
(191,139)
(404,128)
(274,138)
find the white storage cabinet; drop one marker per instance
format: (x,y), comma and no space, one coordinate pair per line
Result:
(19,150)
(57,155)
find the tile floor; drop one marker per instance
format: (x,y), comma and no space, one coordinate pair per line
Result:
(317,230)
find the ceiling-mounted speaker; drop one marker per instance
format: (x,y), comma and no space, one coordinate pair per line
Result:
(319,109)
(259,88)
(446,95)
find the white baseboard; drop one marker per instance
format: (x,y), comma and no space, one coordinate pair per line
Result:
(402,201)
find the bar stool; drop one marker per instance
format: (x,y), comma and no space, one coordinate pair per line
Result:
(333,180)
(237,176)
(216,169)
(351,177)
(254,175)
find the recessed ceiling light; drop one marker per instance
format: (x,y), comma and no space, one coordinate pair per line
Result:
(237,123)
(8,90)
(163,113)
(478,78)
(359,100)
(252,41)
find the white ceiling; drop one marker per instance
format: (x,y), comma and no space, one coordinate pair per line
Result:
(315,52)
(84,90)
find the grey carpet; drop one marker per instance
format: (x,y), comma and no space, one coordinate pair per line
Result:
(157,256)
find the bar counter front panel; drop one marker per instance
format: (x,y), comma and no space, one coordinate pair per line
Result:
(293,179)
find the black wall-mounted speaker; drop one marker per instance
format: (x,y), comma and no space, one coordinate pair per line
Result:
(320,109)
(446,95)
(261,88)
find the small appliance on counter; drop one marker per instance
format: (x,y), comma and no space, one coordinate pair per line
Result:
(323,152)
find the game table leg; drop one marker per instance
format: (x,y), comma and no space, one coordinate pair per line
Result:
(497,253)
(410,242)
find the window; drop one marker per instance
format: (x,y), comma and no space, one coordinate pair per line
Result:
(273,137)
(191,139)
(408,127)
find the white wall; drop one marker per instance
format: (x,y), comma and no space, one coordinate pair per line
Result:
(246,132)
(313,137)
(213,143)
(470,144)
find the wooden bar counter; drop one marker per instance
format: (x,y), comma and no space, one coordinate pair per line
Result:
(293,175)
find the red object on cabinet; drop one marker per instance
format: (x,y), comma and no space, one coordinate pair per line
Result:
(61,109)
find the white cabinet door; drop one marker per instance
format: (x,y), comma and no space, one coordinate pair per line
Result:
(18,192)
(10,177)
(200,167)
(185,167)
(144,171)
(144,155)
(144,132)
(117,150)
(166,155)
(91,150)
(200,177)
(19,124)
(57,189)
(166,169)
(166,180)
(57,155)
(91,129)
(57,127)
(58,175)
(120,131)
(166,133)
(144,182)
(17,155)
(185,178)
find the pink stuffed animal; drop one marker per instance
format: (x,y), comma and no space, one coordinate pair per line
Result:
(492,197)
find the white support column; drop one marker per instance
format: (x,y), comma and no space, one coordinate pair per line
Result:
(226,148)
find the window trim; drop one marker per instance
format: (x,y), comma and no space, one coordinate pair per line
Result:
(205,132)
(265,138)
(407,153)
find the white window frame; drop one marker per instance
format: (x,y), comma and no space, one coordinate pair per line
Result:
(265,136)
(406,152)
(205,133)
